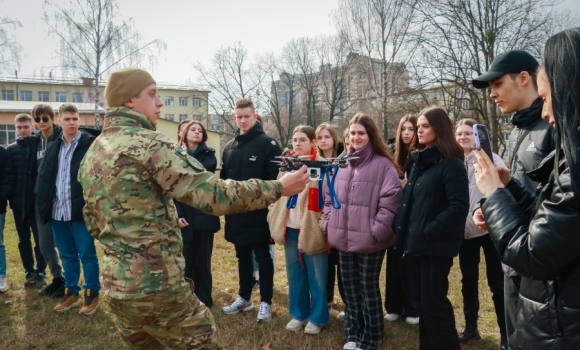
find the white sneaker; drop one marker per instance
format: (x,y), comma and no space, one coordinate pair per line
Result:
(294,325)
(265,313)
(311,328)
(412,320)
(350,346)
(392,317)
(240,304)
(341,316)
(3,284)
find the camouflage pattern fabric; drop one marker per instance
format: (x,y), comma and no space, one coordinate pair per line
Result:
(130,175)
(166,320)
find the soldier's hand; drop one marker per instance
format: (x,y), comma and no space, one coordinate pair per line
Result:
(294,182)
(182,222)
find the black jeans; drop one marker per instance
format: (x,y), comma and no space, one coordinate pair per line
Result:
(27,254)
(333,271)
(197,254)
(427,278)
(396,297)
(469,258)
(246,271)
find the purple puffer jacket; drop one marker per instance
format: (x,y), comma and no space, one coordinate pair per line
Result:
(370,193)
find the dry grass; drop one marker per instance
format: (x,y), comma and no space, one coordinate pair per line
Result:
(28,322)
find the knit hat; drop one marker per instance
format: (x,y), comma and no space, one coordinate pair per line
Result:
(125,84)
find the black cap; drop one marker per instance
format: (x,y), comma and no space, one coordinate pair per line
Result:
(515,61)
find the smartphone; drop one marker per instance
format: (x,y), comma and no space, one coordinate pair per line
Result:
(482,139)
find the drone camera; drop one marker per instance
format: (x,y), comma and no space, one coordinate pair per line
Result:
(314,174)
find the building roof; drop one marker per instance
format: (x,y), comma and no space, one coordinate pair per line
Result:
(88,82)
(26,106)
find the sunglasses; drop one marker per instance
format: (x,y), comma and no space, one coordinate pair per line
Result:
(44,119)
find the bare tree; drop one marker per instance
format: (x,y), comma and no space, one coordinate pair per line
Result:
(465,37)
(232,75)
(9,47)
(378,33)
(94,39)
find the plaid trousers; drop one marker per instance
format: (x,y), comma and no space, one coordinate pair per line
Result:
(364,322)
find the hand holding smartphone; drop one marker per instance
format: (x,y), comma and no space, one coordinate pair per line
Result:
(482,139)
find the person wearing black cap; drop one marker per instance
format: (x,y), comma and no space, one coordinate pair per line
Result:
(512,79)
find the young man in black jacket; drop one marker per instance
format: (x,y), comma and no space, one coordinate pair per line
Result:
(59,202)
(24,226)
(36,146)
(250,155)
(512,79)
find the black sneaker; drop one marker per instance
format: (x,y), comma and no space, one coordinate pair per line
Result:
(40,280)
(50,290)
(59,293)
(29,279)
(469,334)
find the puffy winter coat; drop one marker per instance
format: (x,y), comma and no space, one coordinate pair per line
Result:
(431,221)
(539,240)
(47,173)
(249,156)
(471,229)
(370,193)
(198,221)
(311,238)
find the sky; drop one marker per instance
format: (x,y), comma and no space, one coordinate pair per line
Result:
(193,30)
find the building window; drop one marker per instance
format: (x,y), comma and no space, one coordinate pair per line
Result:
(506,136)
(170,116)
(182,117)
(506,120)
(25,95)
(197,117)
(61,96)
(7,134)
(196,102)
(465,104)
(8,95)
(43,96)
(77,97)
(169,101)
(183,101)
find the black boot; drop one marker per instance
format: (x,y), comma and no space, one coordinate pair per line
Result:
(504,342)
(469,334)
(56,286)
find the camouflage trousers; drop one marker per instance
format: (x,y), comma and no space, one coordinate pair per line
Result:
(167,320)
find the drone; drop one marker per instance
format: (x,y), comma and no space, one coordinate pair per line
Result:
(318,170)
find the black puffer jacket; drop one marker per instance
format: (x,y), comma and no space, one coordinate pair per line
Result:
(34,157)
(431,221)
(249,156)
(47,173)
(6,179)
(17,164)
(198,221)
(536,145)
(544,251)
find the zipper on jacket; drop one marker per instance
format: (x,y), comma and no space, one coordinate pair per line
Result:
(558,307)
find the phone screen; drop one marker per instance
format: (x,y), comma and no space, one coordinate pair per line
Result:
(482,139)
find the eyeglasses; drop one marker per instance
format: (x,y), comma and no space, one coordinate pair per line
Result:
(45,119)
(467,134)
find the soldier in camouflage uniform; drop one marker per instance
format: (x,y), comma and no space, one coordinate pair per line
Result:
(129,176)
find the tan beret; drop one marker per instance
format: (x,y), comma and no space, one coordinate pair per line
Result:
(125,84)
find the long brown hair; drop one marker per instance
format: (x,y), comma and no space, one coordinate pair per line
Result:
(444,138)
(403,151)
(375,138)
(185,129)
(333,134)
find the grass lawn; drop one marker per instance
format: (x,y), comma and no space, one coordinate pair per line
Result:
(28,322)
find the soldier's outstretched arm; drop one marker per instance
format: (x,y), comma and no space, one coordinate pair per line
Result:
(184,178)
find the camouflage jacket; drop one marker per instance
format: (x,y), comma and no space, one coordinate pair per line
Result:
(129,176)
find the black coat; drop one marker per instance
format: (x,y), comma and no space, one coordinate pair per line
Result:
(5,179)
(47,173)
(540,240)
(198,221)
(431,221)
(17,165)
(246,157)
(33,160)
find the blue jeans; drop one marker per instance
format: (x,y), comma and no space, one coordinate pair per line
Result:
(76,245)
(2,246)
(307,282)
